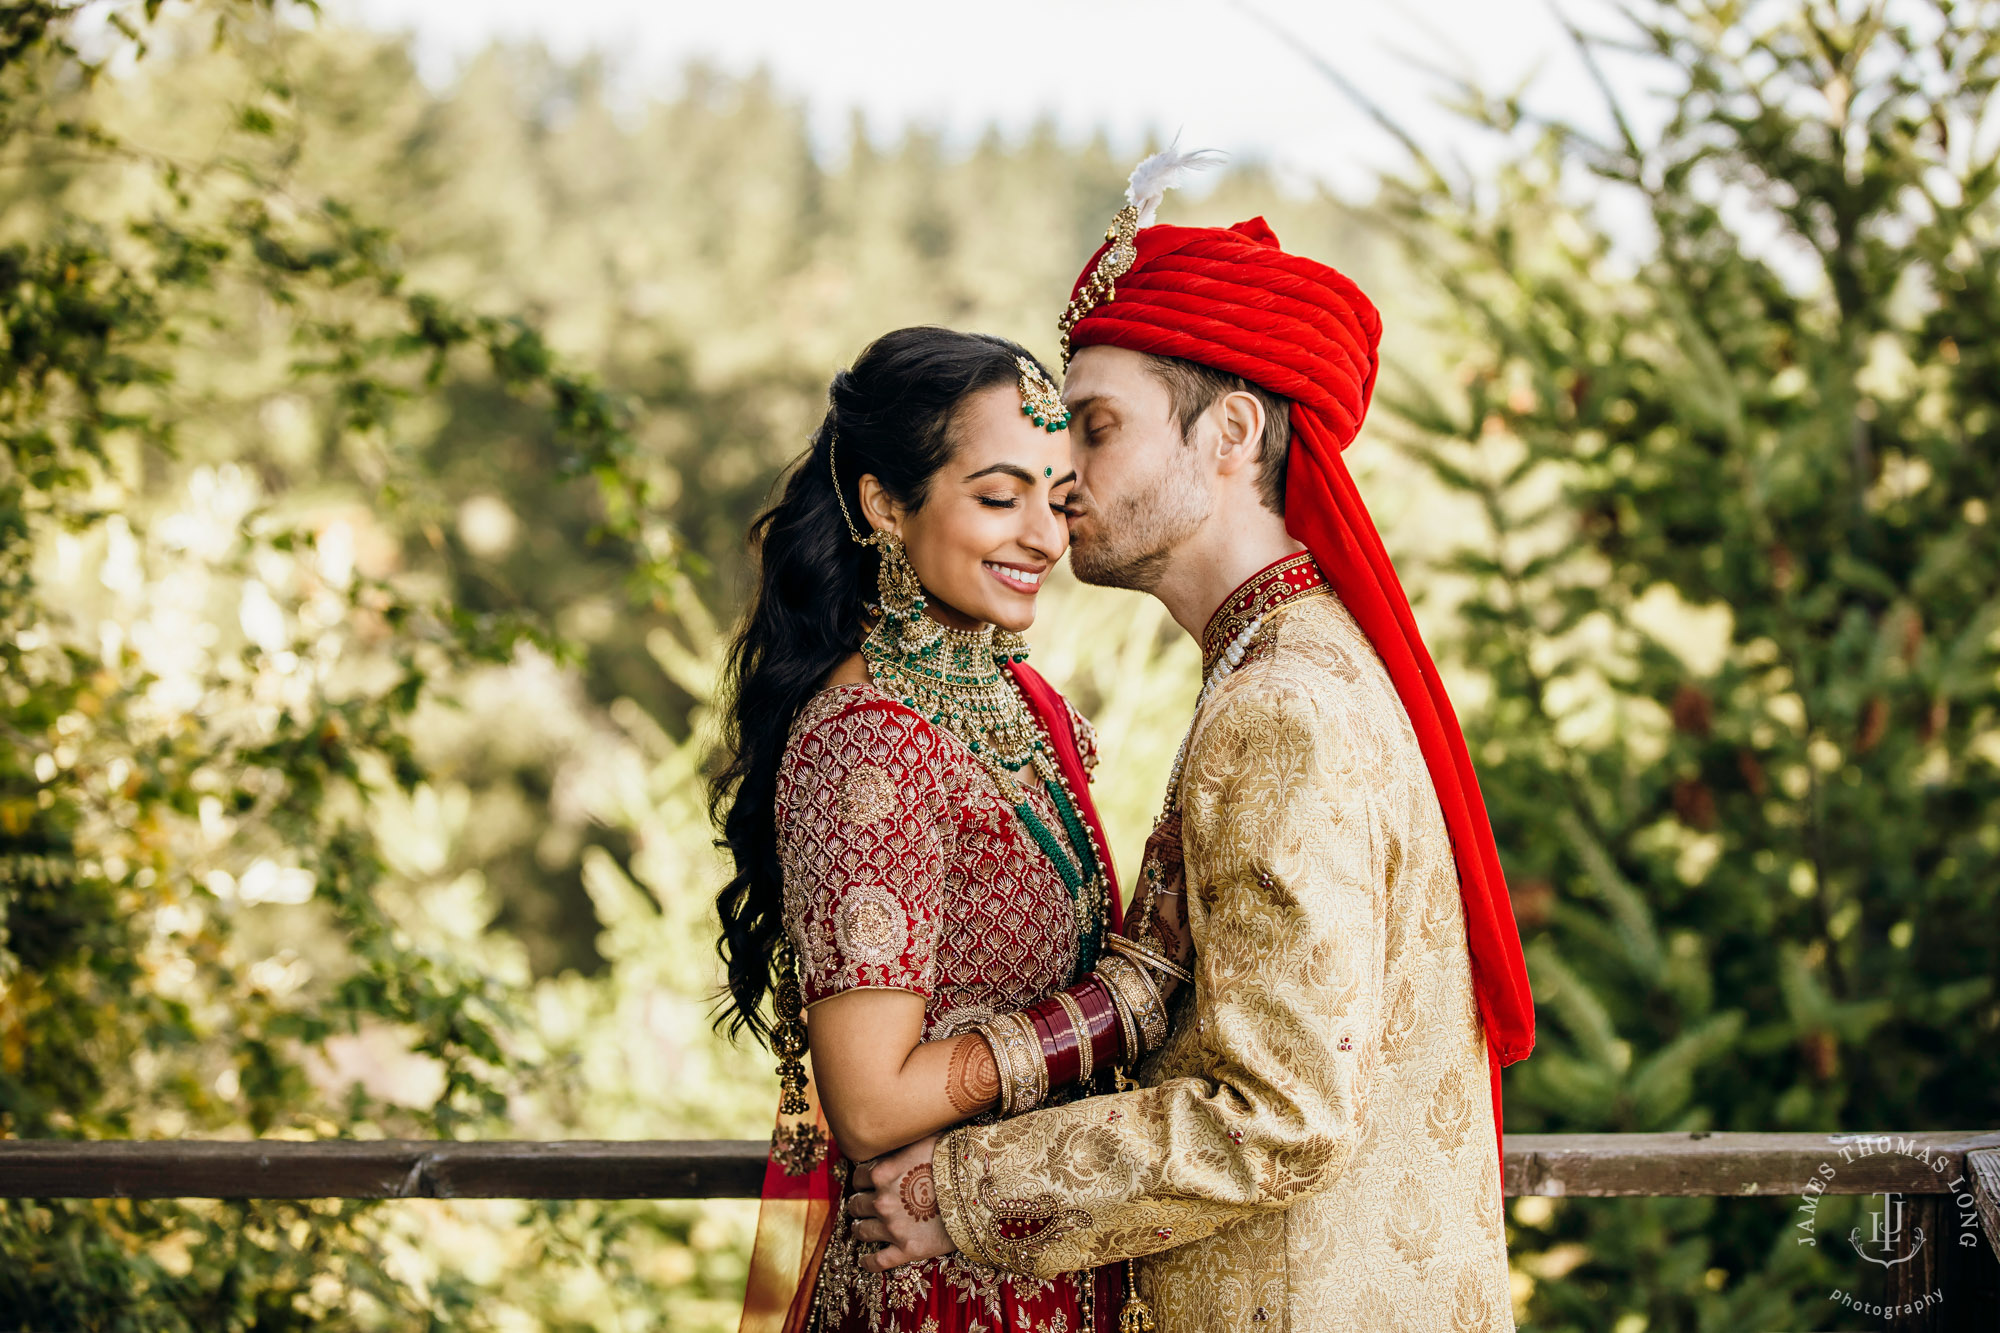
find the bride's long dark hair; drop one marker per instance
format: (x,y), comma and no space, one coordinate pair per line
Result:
(893,412)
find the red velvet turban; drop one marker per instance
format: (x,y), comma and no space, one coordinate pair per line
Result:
(1234,300)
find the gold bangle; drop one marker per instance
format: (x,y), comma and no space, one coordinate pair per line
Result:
(1014,1037)
(1025,1049)
(1113,968)
(1081,1027)
(1001,1068)
(1127,1029)
(1147,956)
(1131,982)
(1038,1064)
(1155,1031)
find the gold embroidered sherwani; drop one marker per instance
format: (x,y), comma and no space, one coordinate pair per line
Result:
(1313,1148)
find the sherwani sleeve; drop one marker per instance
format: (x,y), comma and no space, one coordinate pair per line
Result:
(1286,871)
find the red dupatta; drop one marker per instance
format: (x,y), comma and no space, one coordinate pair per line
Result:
(797,1213)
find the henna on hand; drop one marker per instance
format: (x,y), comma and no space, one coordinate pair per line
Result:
(919,1194)
(972,1083)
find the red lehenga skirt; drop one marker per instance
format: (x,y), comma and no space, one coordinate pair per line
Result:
(955,1295)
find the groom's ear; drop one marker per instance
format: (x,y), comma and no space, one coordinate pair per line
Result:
(1239,419)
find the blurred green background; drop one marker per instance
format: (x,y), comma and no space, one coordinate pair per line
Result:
(377,462)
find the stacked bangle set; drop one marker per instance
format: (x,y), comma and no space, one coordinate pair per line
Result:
(1112,1017)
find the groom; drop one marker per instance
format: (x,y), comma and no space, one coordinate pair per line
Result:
(1316,1143)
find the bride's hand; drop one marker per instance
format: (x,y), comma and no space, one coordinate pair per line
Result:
(896,1207)
(1168,929)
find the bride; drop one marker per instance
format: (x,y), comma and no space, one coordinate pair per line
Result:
(921,881)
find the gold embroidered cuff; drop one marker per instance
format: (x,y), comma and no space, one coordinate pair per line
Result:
(954,1201)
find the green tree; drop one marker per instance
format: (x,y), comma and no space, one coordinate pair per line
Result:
(1730,617)
(156,782)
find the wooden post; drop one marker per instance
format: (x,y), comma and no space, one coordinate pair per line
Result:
(1951,1283)
(1972,1276)
(1982,1167)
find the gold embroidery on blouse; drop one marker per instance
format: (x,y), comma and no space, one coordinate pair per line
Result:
(869,925)
(943,894)
(868,795)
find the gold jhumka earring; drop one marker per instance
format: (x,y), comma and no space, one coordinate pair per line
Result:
(899,593)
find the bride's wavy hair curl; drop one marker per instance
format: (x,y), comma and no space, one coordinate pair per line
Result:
(894,411)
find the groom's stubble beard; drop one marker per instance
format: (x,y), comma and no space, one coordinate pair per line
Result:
(1137,531)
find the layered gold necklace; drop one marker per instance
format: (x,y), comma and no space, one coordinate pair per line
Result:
(955,680)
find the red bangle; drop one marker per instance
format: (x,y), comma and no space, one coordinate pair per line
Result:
(1094,998)
(1059,1042)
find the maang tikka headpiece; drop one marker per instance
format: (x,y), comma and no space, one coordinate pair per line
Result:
(1150,181)
(1040,402)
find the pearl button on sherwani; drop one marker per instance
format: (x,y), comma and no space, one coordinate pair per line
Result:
(1313,1147)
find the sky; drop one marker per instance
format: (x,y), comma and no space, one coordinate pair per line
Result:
(1217,72)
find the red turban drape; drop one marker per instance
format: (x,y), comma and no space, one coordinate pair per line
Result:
(1233,300)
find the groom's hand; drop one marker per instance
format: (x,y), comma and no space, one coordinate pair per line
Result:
(895,1205)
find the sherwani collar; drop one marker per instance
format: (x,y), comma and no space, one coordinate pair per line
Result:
(1262,593)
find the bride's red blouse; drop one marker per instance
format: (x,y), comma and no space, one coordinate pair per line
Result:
(906,867)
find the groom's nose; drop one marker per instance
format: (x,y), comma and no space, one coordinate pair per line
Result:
(1079,503)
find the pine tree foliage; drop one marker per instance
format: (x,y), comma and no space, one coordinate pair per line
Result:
(1727,427)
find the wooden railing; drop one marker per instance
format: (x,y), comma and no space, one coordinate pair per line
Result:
(1942,1186)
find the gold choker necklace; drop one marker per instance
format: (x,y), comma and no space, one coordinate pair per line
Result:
(953,678)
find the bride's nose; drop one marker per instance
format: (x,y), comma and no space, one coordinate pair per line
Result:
(1047,532)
